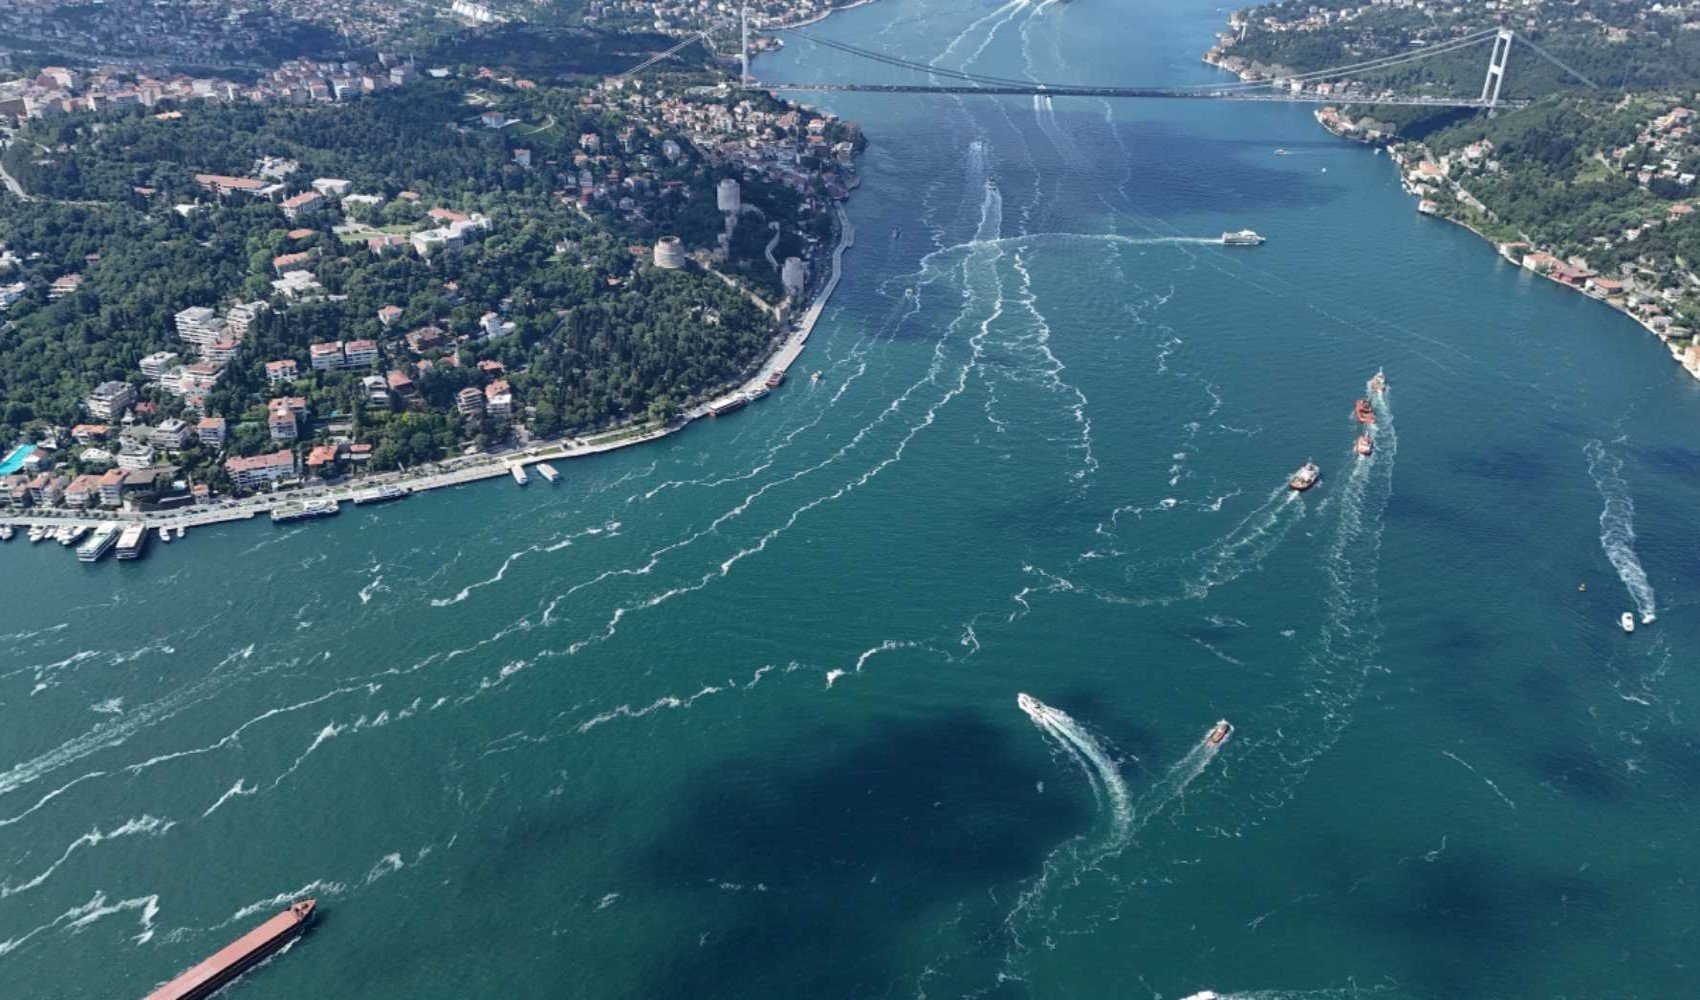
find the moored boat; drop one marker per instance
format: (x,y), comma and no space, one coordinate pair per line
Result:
(519,475)
(235,958)
(757,393)
(5,532)
(777,379)
(548,472)
(1364,412)
(99,543)
(1220,734)
(382,495)
(181,531)
(1627,620)
(37,533)
(730,404)
(132,540)
(1364,446)
(288,512)
(1305,478)
(69,536)
(164,535)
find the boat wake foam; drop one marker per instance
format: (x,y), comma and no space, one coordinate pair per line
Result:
(1617,526)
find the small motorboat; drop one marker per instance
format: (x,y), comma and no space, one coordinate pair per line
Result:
(1581,588)
(1646,618)
(1220,734)
(1377,382)
(1305,478)
(164,533)
(1364,446)
(1280,152)
(815,377)
(1212,994)
(1364,412)
(1627,621)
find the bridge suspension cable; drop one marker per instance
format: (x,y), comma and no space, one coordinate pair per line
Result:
(701,36)
(1549,57)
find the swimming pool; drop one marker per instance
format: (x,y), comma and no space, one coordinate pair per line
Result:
(15,460)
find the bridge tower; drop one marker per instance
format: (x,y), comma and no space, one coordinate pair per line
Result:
(744,46)
(1496,68)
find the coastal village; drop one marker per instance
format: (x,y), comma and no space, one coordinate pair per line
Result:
(134,450)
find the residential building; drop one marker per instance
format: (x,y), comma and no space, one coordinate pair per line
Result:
(360,353)
(281,423)
(389,314)
(470,403)
(155,365)
(135,455)
(171,434)
(305,203)
(200,326)
(109,400)
(279,372)
(326,356)
(211,431)
(258,470)
(499,399)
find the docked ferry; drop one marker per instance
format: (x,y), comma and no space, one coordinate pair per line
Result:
(1241,238)
(548,472)
(730,404)
(519,475)
(1305,478)
(99,544)
(302,511)
(777,379)
(382,495)
(131,542)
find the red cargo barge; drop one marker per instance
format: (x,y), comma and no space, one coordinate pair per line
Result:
(238,956)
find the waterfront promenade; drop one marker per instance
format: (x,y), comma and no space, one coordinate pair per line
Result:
(473,468)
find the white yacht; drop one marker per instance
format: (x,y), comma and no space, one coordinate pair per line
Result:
(1241,238)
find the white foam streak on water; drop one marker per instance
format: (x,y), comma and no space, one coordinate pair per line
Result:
(240,788)
(151,826)
(1617,526)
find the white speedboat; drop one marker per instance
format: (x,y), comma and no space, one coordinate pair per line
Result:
(164,533)
(1647,617)
(1627,621)
(1204,995)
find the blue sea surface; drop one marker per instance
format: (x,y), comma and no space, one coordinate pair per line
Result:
(735,714)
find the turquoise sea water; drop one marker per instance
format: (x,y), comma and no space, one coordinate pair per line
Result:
(735,714)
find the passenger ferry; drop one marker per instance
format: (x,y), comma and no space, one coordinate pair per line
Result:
(383,495)
(132,541)
(777,379)
(1241,238)
(302,511)
(101,543)
(754,394)
(519,474)
(731,404)
(548,472)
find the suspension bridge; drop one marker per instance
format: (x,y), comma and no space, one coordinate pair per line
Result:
(1303,88)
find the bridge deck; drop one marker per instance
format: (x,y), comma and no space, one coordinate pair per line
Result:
(1161,93)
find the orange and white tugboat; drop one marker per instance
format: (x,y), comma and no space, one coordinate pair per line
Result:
(1305,478)
(1364,446)
(1364,412)
(1220,734)
(1377,383)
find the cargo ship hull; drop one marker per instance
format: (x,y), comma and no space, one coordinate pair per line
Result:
(239,956)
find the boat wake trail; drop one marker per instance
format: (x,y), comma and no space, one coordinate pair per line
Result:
(1617,526)
(1068,864)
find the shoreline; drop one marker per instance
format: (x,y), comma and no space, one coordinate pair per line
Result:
(1502,250)
(490,466)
